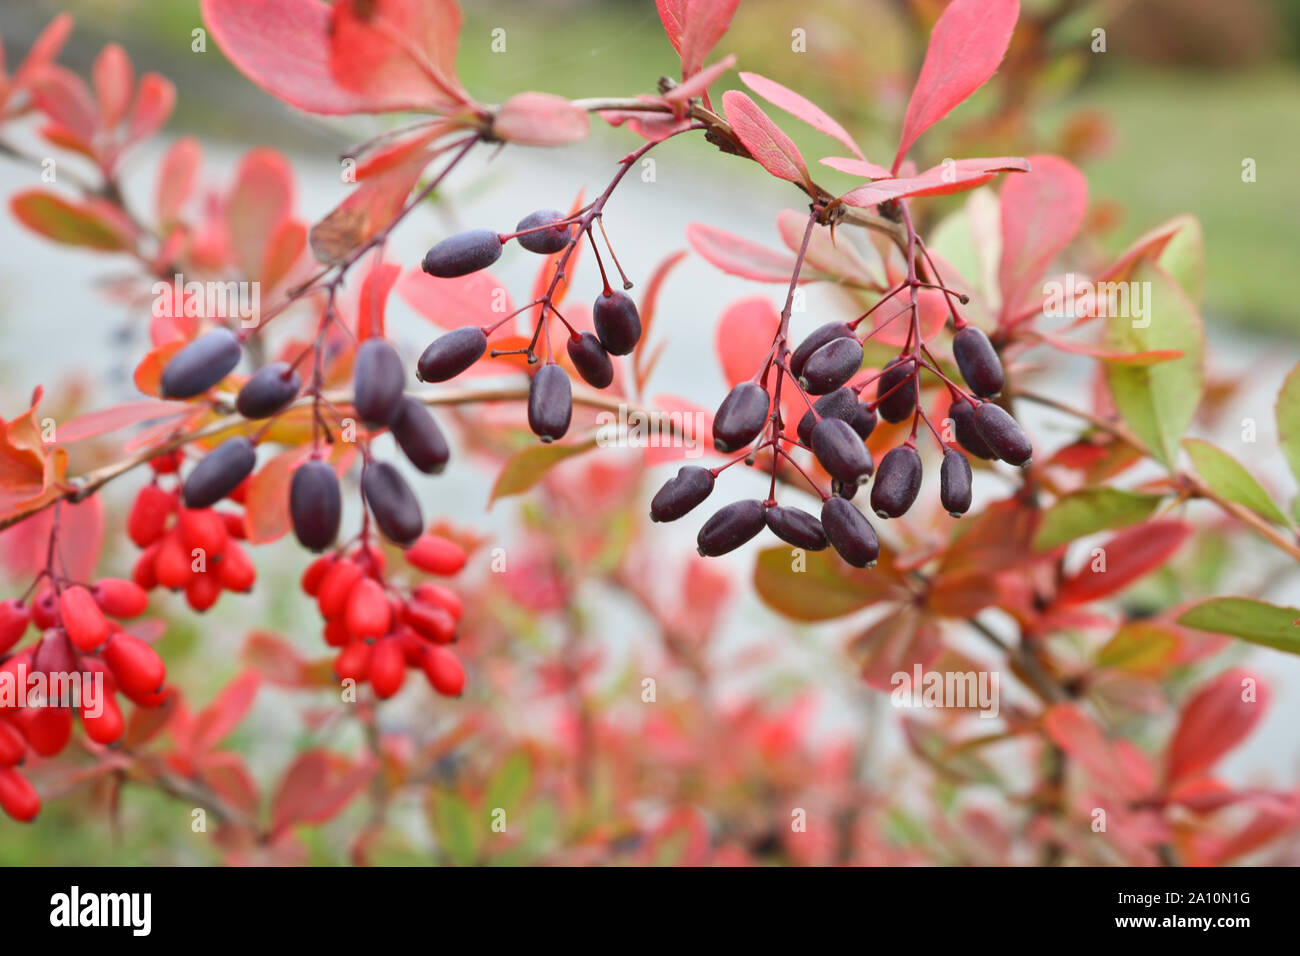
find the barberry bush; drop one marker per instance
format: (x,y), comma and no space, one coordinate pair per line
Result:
(917,465)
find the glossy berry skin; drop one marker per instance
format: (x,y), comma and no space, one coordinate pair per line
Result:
(82,618)
(315,504)
(842,404)
(815,340)
(136,666)
(387,668)
(681,493)
(367,613)
(444,671)
(462,254)
(120,599)
(954,483)
(731,527)
(978,361)
(850,533)
(378,380)
(391,501)
(449,355)
(796,527)
(740,417)
(591,360)
(831,366)
(544,241)
(841,452)
(18,798)
(899,401)
(201,364)
(418,435)
(1003,434)
(550,403)
(618,326)
(962,414)
(268,390)
(898,481)
(14,619)
(219,472)
(148,516)
(437,555)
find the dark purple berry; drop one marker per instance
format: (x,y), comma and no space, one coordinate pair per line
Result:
(680,494)
(740,417)
(954,483)
(815,340)
(544,241)
(418,435)
(220,471)
(731,527)
(378,379)
(844,490)
(463,253)
(895,392)
(850,533)
(449,355)
(962,414)
(840,451)
(1002,434)
(617,323)
(796,527)
(978,361)
(898,481)
(591,360)
(315,504)
(831,366)
(842,404)
(201,364)
(550,403)
(391,501)
(268,390)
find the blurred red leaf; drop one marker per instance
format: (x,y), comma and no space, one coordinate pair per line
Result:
(475,299)
(373,297)
(769,146)
(94,223)
(177,174)
(1129,555)
(262,198)
(743,337)
(316,788)
(948,177)
(106,420)
(113,79)
(857,167)
(225,712)
(1217,718)
(266,501)
(540,119)
(738,256)
(1041,212)
(966,46)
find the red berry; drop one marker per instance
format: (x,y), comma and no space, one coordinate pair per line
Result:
(387,667)
(122,599)
(17,796)
(439,596)
(432,622)
(13,746)
(353,662)
(444,671)
(106,726)
(234,522)
(336,633)
(82,618)
(136,666)
(235,570)
(367,611)
(173,567)
(436,555)
(203,591)
(149,514)
(55,654)
(167,464)
(48,729)
(202,530)
(332,598)
(315,574)
(14,618)
(143,572)
(45,610)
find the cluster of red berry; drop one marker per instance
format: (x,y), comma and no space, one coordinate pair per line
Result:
(381,629)
(82,661)
(188,548)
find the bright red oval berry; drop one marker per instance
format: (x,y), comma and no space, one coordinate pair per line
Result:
(105,726)
(48,729)
(387,667)
(45,610)
(444,671)
(203,591)
(439,596)
(202,529)
(437,555)
(433,623)
(143,573)
(14,618)
(353,662)
(334,588)
(18,797)
(149,513)
(173,567)
(367,613)
(235,569)
(315,574)
(13,746)
(136,666)
(82,618)
(121,599)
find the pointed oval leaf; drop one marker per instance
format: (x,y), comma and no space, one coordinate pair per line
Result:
(1229,478)
(1250,620)
(769,146)
(801,108)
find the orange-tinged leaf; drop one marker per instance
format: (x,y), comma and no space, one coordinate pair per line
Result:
(93,223)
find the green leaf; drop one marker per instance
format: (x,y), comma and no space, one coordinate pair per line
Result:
(1288,424)
(1250,620)
(1226,476)
(825,589)
(1139,647)
(510,784)
(455,827)
(1184,258)
(1087,512)
(1158,401)
(526,468)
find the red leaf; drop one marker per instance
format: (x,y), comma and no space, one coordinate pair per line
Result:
(1041,212)
(672,13)
(63,97)
(540,119)
(857,167)
(949,177)
(106,420)
(154,102)
(1076,347)
(372,298)
(371,207)
(1071,729)
(113,79)
(803,109)
(93,223)
(1129,555)
(744,337)
(283,250)
(283,46)
(228,775)
(697,426)
(229,707)
(699,83)
(316,788)
(966,46)
(705,22)
(839,260)
(647,308)
(266,502)
(43,51)
(738,256)
(1213,721)
(770,147)
(475,299)
(261,199)
(654,127)
(176,177)
(275,659)
(398,49)
(25,546)
(28,467)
